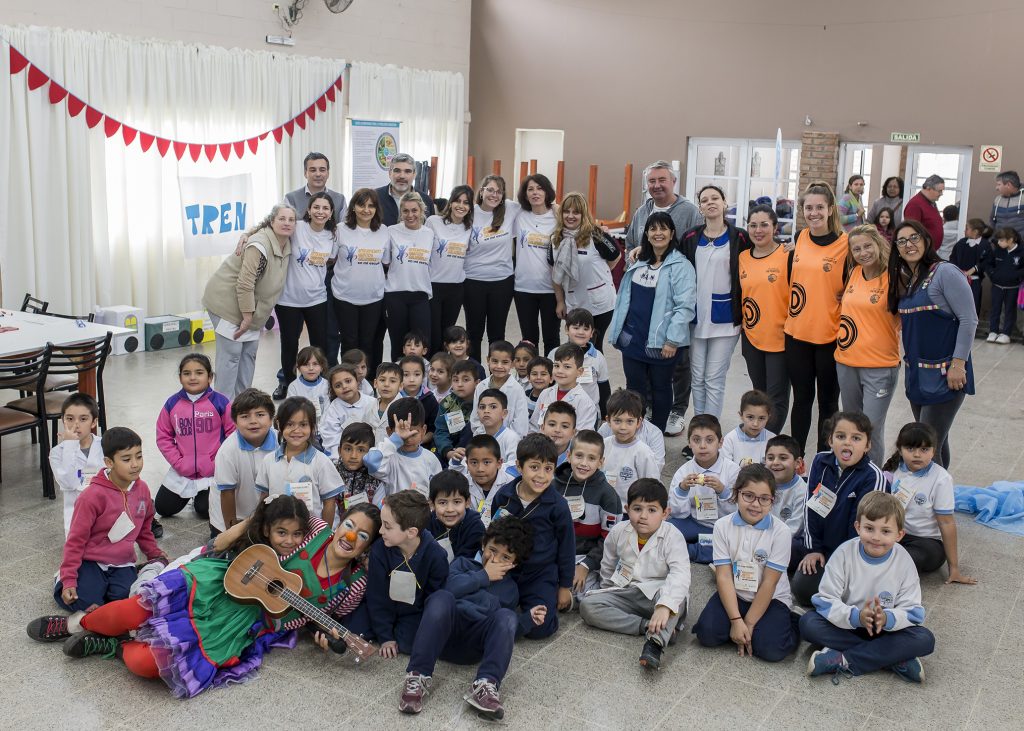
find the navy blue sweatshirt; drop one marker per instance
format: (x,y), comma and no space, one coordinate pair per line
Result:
(429,563)
(465,536)
(554,541)
(824,535)
(477,597)
(1004,267)
(968,257)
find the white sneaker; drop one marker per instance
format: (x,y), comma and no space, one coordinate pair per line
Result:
(1003,339)
(676,422)
(992,337)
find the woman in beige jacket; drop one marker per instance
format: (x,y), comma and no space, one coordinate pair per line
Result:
(241,294)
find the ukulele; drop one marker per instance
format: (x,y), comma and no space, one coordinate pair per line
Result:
(256,574)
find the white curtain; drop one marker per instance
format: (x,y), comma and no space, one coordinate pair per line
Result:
(430,105)
(85,220)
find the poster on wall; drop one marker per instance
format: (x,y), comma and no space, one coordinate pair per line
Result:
(373,146)
(214,213)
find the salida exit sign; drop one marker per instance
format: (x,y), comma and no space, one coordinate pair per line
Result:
(905,137)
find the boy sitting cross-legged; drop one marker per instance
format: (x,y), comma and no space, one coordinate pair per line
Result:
(473,619)
(547,577)
(645,575)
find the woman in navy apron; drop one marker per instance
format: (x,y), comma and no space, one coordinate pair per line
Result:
(936,307)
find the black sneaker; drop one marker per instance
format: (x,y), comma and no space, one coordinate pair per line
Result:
(281,391)
(49,629)
(687,453)
(84,644)
(158,529)
(650,658)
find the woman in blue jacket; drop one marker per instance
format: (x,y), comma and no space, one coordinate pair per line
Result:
(653,311)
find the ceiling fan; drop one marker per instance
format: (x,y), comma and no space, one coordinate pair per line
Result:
(338,6)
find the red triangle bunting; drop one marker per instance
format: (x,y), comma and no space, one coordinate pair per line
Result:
(92,116)
(278,132)
(36,77)
(110,126)
(337,84)
(18,62)
(162,146)
(311,111)
(264,136)
(195,150)
(128,133)
(179,149)
(211,151)
(146,141)
(239,148)
(330,94)
(289,127)
(225,150)
(321,103)
(57,92)
(253,143)
(75,105)
(301,120)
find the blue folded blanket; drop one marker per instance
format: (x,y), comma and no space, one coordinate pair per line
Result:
(999,506)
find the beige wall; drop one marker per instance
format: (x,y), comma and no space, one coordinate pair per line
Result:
(631,81)
(426,34)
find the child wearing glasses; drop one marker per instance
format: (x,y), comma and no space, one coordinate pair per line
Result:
(751,549)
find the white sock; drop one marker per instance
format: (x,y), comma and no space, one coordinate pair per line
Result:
(75,622)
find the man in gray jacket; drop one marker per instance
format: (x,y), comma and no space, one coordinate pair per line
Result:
(1008,208)
(661,181)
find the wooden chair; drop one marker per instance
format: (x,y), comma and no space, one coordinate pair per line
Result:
(65,383)
(21,371)
(70,360)
(34,305)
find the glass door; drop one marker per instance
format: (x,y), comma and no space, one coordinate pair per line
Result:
(952,163)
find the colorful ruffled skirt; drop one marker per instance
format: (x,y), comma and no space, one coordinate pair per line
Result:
(199,635)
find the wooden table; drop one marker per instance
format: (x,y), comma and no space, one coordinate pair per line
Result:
(35,331)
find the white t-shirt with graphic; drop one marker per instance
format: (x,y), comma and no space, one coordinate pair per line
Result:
(359,272)
(448,260)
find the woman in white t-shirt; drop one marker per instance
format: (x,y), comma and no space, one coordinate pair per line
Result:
(588,284)
(489,268)
(408,288)
(452,230)
(304,298)
(358,283)
(534,294)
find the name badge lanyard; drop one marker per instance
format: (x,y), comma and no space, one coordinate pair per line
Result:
(405,562)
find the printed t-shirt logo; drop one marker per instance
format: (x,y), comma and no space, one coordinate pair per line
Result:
(847,332)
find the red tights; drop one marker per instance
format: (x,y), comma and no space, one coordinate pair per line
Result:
(118,618)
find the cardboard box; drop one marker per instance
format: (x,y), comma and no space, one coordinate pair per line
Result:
(201,326)
(123,316)
(167,331)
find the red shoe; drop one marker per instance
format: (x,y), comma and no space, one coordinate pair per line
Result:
(483,696)
(416,689)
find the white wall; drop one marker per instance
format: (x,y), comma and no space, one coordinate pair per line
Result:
(426,34)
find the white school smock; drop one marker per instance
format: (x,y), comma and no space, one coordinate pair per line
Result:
(400,470)
(649,434)
(276,474)
(714,290)
(318,392)
(595,372)
(743,450)
(931,495)
(586,410)
(305,284)
(480,500)
(235,469)
(448,260)
(359,272)
(71,467)
(682,502)
(489,258)
(661,570)
(518,418)
(594,288)
(533,242)
(339,414)
(410,259)
(624,464)
(790,500)
(508,439)
(768,544)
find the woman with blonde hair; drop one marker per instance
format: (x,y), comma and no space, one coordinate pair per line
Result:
(868,347)
(408,288)
(583,258)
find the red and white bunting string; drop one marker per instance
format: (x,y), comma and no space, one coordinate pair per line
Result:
(37,78)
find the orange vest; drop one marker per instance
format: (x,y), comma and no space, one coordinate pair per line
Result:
(764,285)
(868,332)
(816,283)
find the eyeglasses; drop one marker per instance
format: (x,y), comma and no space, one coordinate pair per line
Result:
(901,243)
(492,191)
(750,498)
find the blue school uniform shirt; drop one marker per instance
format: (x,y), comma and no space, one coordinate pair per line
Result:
(825,535)
(465,536)
(430,565)
(554,540)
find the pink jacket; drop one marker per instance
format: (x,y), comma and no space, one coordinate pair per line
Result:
(96,510)
(189,434)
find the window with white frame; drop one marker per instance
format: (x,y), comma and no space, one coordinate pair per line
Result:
(746,170)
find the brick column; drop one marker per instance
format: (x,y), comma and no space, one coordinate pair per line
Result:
(819,160)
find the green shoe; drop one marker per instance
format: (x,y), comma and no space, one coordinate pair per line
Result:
(84,644)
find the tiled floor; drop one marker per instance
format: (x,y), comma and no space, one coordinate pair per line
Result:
(581,678)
